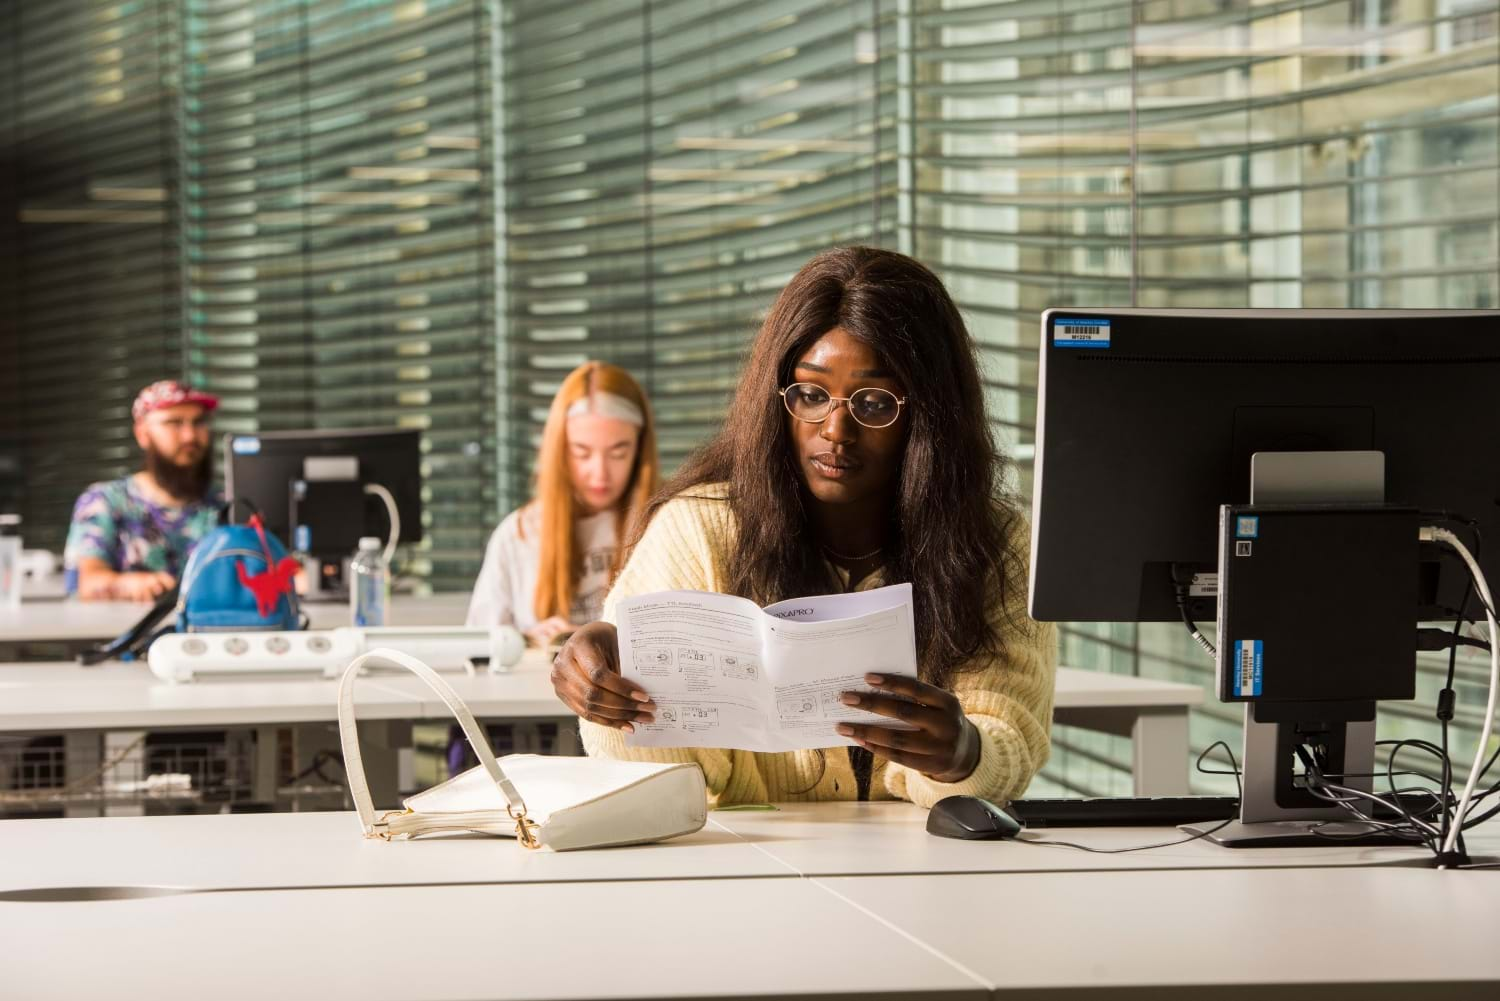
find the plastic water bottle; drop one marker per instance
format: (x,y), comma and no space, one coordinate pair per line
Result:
(10,561)
(369,584)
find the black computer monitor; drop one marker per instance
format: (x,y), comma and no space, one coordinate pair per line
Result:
(1148,425)
(309,486)
(1147,421)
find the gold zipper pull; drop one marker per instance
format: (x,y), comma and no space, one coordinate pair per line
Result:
(525,828)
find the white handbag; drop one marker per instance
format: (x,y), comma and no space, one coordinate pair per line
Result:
(570,802)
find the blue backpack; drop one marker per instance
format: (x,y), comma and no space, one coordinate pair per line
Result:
(237,578)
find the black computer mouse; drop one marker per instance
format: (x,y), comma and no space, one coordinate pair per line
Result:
(972,819)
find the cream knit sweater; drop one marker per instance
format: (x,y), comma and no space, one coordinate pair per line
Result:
(1009,699)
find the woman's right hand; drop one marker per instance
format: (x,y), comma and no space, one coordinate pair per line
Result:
(586,676)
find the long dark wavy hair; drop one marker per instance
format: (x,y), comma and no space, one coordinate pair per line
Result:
(951,532)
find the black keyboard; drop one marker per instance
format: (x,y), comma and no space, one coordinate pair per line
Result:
(1124,811)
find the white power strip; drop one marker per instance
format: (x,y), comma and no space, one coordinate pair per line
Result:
(185,656)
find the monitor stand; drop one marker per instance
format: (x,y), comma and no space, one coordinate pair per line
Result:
(1266,821)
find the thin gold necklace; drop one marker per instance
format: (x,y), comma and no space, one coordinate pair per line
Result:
(853,559)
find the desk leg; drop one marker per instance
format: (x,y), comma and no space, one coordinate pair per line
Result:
(380,744)
(83,753)
(264,772)
(1159,739)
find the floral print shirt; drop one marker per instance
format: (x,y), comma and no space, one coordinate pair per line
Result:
(116,523)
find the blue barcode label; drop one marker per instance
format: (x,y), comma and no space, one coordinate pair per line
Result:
(1248,668)
(1080,332)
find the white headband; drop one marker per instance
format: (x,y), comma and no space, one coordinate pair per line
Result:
(608,405)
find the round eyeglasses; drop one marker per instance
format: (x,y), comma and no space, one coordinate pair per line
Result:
(874,408)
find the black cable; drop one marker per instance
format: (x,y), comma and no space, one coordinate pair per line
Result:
(319,759)
(1318,785)
(1163,844)
(1181,591)
(1390,778)
(1345,796)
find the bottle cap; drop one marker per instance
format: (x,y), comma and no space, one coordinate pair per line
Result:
(370,542)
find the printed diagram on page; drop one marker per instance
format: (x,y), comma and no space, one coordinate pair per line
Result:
(726,673)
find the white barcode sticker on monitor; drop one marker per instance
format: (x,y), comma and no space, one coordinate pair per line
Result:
(1204,585)
(1080,332)
(1247,668)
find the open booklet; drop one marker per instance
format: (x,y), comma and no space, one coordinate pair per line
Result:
(725,673)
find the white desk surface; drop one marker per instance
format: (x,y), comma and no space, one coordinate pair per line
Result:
(762,938)
(44,621)
(65,696)
(62,695)
(1175,930)
(301,850)
(1388,933)
(527,691)
(46,589)
(1079,689)
(296,850)
(890,838)
(74,620)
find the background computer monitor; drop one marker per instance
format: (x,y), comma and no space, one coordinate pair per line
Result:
(1146,422)
(263,469)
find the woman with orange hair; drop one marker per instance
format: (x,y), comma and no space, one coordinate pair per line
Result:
(549,564)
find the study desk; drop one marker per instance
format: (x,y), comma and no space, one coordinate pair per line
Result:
(810,840)
(119,696)
(61,696)
(91,705)
(300,905)
(49,588)
(98,709)
(1154,714)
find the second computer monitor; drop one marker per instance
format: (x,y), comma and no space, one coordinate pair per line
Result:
(327,472)
(1147,422)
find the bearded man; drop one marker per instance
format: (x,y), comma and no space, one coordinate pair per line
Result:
(130,537)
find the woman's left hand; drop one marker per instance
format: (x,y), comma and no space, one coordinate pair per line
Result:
(944,746)
(547,630)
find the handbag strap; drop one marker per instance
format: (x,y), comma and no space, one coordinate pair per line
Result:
(354,766)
